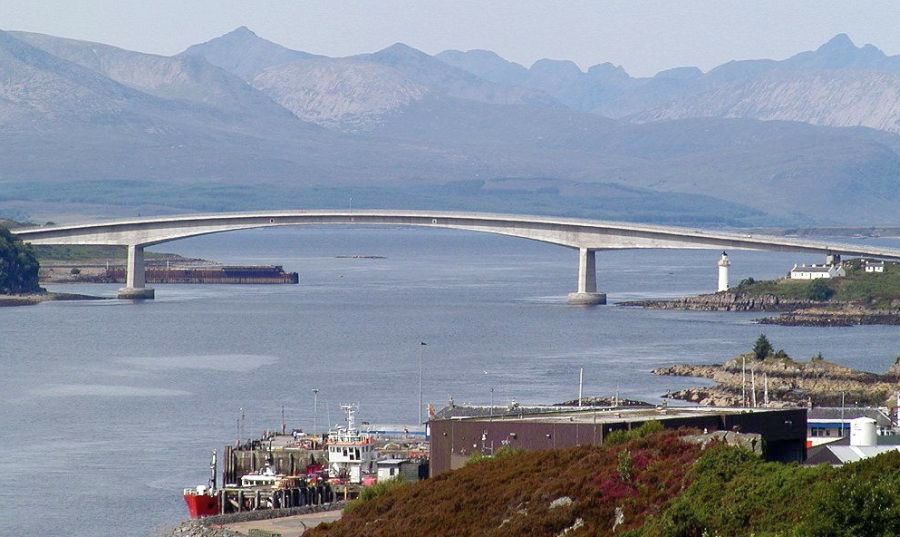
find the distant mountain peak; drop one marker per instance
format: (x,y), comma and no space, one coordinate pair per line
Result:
(679,73)
(486,64)
(607,70)
(483,53)
(400,51)
(400,46)
(239,35)
(841,52)
(556,67)
(841,42)
(244,53)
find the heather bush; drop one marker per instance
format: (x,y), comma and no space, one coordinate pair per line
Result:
(670,489)
(511,493)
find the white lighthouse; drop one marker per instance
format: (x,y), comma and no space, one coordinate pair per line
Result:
(724,263)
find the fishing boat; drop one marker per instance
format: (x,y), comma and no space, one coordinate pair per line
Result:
(351,452)
(203,500)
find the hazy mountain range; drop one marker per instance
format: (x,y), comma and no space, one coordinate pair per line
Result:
(240,122)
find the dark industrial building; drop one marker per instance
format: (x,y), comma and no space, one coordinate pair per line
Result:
(458,432)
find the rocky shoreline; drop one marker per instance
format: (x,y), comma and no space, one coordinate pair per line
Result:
(792,312)
(213,526)
(605,401)
(831,317)
(788,383)
(31,300)
(725,302)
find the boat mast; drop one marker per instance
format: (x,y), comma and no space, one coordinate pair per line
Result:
(212,470)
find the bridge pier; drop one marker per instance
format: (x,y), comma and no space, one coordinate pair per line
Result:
(587,294)
(135,281)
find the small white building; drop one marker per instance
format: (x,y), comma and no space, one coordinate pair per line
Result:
(814,272)
(393,468)
(874,266)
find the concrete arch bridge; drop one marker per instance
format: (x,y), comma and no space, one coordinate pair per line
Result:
(586,236)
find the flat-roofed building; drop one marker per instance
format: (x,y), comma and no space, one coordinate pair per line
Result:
(827,424)
(863,442)
(459,432)
(405,469)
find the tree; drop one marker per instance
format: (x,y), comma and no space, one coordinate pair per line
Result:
(762,347)
(18,266)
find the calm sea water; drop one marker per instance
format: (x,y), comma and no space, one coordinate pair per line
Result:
(110,408)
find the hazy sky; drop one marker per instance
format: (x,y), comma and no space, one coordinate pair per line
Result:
(643,36)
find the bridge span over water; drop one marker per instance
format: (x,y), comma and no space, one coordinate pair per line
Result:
(587,236)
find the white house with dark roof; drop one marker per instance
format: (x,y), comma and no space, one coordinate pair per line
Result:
(874,266)
(814,272)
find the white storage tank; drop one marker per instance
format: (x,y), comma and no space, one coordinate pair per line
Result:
(863,432)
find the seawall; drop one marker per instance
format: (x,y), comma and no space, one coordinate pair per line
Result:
(224,274)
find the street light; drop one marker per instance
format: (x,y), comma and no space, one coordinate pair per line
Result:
(492,403)
(315,410)
(422,346)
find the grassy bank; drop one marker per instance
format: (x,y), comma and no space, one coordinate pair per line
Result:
(873,290)
(89,252)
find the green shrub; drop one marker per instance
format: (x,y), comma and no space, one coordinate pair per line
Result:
(819,290)
(625,465)
(377,490)
(620,437)
(501,453)
(733,492)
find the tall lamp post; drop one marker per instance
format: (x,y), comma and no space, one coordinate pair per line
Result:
(492,403)
(422,346)
(315,410)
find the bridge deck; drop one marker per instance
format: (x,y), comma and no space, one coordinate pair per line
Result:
(570,232)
